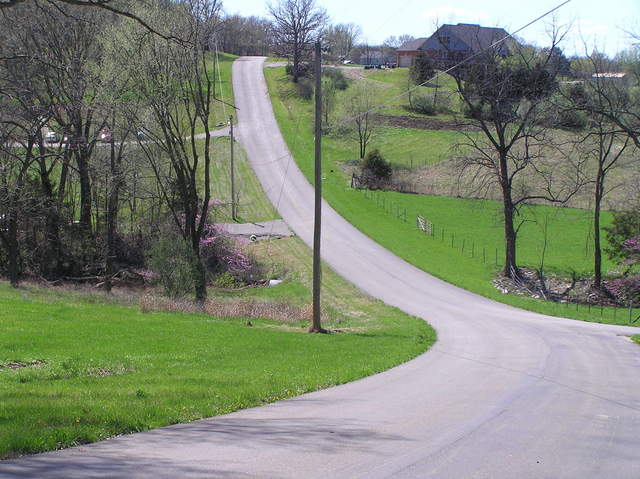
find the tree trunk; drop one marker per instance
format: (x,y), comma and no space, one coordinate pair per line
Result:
(199,278)
(54,247)
(112,220)
(53,254)
(597,248)
(510,263)
(13,251)
(85,191)
(296,63)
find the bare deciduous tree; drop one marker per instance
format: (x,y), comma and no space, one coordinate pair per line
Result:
(240,35)
(112,6)
(505,100)
(341,38)
(361,119)
(604,142)
(296,24)
(176,84)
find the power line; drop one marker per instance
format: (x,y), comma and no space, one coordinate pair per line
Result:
(466,60)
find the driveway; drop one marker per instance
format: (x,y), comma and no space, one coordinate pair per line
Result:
(503,394)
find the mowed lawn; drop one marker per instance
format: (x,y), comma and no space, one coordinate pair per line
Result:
(94,369)
(381,216)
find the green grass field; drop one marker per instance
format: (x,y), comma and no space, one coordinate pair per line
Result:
(96,366)
(393,83)
(223,87)
(478,223)
(101,369)
(252,206)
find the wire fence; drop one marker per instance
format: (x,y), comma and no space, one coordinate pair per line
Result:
(468,247)
(492,256)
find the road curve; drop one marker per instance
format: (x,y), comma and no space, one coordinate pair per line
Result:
(503,394)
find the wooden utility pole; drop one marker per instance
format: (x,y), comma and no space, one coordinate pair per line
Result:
(316,326)
(233,182)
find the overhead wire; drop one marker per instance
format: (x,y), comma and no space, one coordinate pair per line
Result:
(462,62)
(289,155)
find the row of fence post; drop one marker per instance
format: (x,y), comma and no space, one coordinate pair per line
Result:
(388,206)
(430,230)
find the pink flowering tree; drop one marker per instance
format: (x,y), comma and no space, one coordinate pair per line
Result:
(221,253)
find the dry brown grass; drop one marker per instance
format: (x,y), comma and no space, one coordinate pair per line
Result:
(239,308)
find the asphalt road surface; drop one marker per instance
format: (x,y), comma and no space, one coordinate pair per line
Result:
(503,394)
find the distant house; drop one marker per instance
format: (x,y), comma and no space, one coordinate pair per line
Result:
(453,43)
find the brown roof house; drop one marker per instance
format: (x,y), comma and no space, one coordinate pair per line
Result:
(453,43)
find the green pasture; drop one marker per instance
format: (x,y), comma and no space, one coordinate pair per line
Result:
(381,215)
(392,85)
(252,206)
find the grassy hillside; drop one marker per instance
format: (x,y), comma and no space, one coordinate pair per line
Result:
(75,369)
(478,223)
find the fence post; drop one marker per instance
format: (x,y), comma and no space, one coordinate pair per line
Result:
(452,239)
(473,250)
(463,241)
(496,256)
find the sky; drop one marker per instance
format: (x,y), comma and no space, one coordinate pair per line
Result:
(594,23)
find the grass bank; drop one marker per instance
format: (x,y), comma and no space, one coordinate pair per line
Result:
(78,367)
(74,370)
(469,226)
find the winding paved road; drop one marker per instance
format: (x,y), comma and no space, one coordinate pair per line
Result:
(503,394)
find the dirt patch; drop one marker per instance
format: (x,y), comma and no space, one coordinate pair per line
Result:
(245,308)
(423,123)
(354,73)
(20,364)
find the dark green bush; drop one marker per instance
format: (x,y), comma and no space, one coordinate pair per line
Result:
(305,70)
(304,88)
(173,259)
(625,225)
(569,118)
(337,77)
(430,104)
(376,171)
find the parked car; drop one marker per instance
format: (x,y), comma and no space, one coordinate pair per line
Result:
(51,137)
(105,135)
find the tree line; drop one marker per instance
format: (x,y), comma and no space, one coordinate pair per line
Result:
(106,138)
